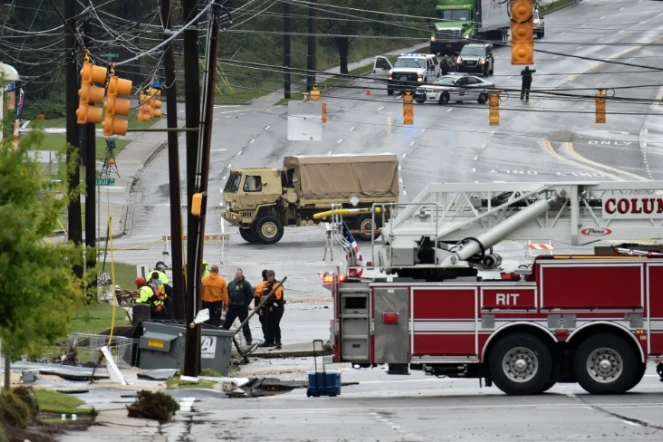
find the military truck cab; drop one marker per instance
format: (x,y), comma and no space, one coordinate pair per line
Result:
(261,201)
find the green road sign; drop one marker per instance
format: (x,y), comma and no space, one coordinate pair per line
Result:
(105,181)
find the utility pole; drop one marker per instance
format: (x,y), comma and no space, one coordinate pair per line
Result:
(173,165)
(89,146)
(312,43)
(192,96)
(286,49)
(74,218)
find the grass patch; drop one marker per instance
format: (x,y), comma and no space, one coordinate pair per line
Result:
(547,9)
(94,318)
(60,403)
(125,274)
(237,96)
(175,383)
(58,143)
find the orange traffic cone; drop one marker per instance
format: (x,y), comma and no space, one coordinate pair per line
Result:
(368,92)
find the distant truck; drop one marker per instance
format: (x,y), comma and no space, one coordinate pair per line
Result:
(466,21)
(261,201)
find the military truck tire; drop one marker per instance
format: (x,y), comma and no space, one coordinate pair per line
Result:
(268,229)
(365,222)
(248,236)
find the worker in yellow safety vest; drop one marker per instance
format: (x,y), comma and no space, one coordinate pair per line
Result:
(160,268)
(205,270)
(147,295)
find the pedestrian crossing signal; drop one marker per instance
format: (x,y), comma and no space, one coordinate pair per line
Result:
(522,32)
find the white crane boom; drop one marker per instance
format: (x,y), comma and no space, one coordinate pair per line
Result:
(450,223)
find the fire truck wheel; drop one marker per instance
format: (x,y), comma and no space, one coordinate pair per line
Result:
(520,364)
(269,229)
(605,364)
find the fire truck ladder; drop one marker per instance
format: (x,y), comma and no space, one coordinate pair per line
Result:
(456,225)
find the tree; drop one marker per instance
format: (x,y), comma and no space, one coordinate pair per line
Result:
(343,23)
(38,288)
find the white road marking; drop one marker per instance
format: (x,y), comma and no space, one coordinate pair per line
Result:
(492,131)
(621,9)
(339,141)
(252,140)
(380,108)
(404,155)
(239,153)
(216,119)
(579,47)
(423,130)
(450,109)
(476,158)
(474,169)
(404,193)
(411,143)
(329,153)
(223,178)
(267,128)
(556,56)
(483,145)
(241,114)
(602,17)
(510,77)
(229,116)
(229,166)
(352,128)
(625,421)
(186,404)
(400,180)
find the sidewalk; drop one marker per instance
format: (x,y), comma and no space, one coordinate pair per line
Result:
(130,163)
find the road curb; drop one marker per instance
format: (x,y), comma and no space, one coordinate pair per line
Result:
(558,6)
(130,189)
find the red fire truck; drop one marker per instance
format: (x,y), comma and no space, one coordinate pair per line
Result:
(595,320)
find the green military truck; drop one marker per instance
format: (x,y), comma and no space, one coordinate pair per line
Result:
(261,201)
(469,21)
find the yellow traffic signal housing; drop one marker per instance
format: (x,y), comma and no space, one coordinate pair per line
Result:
(154,103)
(600,106)
(408,108)
(117,106)
(90,95)
(145,108)
(315,93)
(522,32)
(494,110)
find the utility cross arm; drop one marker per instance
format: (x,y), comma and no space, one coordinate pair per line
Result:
(459,221)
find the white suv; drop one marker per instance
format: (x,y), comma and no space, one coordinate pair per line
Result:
(412,70)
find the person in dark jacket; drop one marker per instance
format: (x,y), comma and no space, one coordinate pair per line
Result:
(526,75)
(240,295)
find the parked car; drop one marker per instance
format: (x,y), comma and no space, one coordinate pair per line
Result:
(455,88)
(539,25)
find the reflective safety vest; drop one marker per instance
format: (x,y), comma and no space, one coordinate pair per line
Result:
(162,277)
(147,296)
(206,272)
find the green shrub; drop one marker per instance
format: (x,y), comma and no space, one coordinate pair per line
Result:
(157,406)
(13,410)
(27,395)
(3,436)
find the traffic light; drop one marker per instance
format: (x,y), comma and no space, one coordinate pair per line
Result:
(600,106)
(145,108)
(494,110)
(155,104)
(522,31)
(315,93)
(324,112)
(116,106)
(90,95)
(408,108)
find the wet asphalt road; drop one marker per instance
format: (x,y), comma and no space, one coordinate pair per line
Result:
(545,140)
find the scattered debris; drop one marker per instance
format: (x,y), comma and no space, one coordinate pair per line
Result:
(258,387)
(28,377)
(156,406)
(158,375)
(74,375)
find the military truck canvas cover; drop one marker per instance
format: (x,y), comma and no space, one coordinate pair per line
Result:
(341,176)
